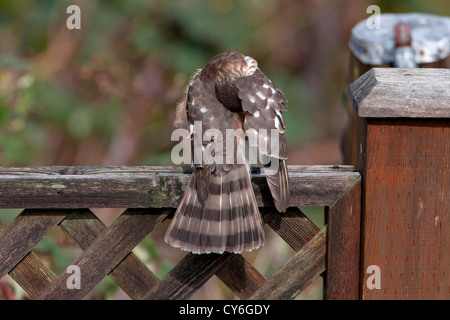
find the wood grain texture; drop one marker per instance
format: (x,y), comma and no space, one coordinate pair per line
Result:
(188,275)
(407,200)
(157,187)
(292,226)
(31,274)
(19,238)
(402,93)
(105,253)
(240,276)
(131,274)
(297,230)
(350,133)
(107,250)
(298,273)
(343,220)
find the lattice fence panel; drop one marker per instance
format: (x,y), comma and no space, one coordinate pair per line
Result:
(107,251)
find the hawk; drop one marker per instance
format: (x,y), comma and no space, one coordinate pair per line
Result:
(218,211)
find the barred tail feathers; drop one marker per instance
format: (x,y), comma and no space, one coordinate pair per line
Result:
(228,221)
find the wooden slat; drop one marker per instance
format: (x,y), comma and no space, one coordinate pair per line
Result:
(132,275)
(31,274)
(298,273)
(240,276)
(19,238)
(157,187)
(292,226)
(188,276)
(343,221)
(105,253)
(402,93)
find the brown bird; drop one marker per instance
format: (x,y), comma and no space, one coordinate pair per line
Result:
(218,211)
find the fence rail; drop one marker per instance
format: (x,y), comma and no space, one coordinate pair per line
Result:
(155,187)
(61,195)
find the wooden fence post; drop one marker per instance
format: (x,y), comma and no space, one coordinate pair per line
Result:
(404,159)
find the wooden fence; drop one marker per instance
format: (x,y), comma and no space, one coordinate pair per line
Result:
(387,222)
(60,195)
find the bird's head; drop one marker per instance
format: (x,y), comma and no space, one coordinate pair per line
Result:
(225,69)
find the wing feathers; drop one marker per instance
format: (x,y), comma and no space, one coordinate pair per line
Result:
(263,103)
(218,211)
(279,187)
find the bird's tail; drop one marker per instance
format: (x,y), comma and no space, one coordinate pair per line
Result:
(228,220)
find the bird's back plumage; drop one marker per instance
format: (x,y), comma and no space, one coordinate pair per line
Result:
(218,211)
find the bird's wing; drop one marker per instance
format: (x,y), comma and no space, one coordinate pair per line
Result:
(206,114)
(263,103)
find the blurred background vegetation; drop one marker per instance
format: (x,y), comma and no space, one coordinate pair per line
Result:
(106,94)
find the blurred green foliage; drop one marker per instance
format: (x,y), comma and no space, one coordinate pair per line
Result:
(83,99)
(117,80)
